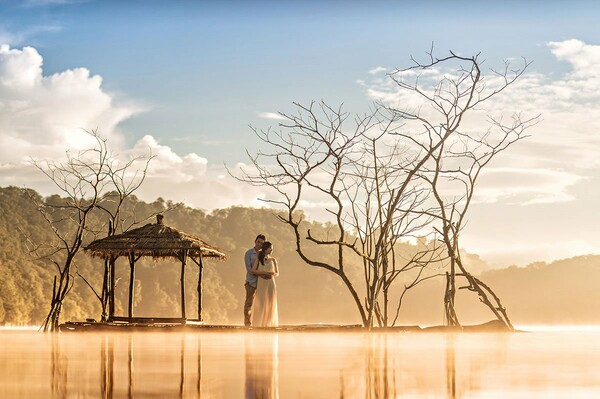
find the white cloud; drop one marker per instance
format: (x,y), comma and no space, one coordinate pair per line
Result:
(204,140)
(191,180)
(525,186)
(23,35)
(41,117)
(563,147)
(377,70)
(8,37)
(271,115)
(584,58)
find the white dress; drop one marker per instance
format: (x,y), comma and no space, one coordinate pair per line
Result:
(264,313)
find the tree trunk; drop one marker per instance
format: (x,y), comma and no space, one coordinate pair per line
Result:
(451,317)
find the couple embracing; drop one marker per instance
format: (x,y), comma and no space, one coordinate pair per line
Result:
(260,307)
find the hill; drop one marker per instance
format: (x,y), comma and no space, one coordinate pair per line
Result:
(560,292)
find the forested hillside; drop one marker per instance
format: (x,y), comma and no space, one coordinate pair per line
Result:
(561,292)
(307,294)
(539,293)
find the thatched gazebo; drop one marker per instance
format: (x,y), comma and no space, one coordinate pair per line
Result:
(157,241)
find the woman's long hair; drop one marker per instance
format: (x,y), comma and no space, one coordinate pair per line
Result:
(261,254)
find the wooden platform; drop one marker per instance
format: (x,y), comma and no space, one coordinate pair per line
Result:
(194,325)
(182,325)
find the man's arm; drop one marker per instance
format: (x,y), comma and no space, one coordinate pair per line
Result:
(248,260)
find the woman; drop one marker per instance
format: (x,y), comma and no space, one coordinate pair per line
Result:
(265,302)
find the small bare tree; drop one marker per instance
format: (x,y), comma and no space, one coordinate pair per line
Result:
(123,183)
(86,179)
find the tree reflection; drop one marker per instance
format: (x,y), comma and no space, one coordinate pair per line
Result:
(58,369)
(450,367)
(182,367)
(107,358)
(378,370)
(130,370)
(262,377)
(199,379)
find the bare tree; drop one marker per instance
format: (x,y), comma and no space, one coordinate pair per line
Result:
(124,181)
(380,178)
(376,196)
(460,153)
(453,188)
(365,189)
(88,180)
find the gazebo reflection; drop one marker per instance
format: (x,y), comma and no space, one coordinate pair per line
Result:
(114,383)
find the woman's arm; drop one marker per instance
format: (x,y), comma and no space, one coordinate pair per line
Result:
(276,268)
(260,273)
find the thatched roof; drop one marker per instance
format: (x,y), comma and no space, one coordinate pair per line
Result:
(153,239)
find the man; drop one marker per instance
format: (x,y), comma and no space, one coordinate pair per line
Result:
(252,277)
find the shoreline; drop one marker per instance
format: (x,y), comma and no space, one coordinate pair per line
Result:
(493,326)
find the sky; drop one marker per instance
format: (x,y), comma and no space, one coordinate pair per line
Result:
(186,79)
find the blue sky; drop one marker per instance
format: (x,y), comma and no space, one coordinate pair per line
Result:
(189,77)
(206,68)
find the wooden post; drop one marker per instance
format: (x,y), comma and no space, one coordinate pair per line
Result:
(111,294)
(200,266)
(131,280)
(106,287)
(183,259)
(104,299)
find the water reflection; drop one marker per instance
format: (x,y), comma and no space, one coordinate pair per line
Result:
(58,369)
(107,358)
(380,379)
(199,367)
(450,367)
(314,365)
(133,363)
(130,370)
(262,362)
(182,367)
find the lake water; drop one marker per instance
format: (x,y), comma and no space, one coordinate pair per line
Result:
(538,364)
